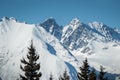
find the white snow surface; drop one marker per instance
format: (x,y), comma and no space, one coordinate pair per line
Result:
(15,38)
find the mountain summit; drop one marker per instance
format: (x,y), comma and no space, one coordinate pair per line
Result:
(52,27)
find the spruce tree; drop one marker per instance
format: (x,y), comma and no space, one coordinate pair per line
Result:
(84,71)
(51,77)
(102,74)
(93,75)
(30,68)
(65,76)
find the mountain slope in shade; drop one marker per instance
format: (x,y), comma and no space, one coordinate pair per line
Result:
(52,27)
(58,48)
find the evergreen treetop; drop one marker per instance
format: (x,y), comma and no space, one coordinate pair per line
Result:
(31,68)
(102,74)
(84,71)
(65,76)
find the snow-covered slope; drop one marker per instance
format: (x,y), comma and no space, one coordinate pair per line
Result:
(15,37)
(59,49)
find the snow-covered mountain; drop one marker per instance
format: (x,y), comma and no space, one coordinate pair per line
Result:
(15,37)
(77,35)
(109,33)
(59,48)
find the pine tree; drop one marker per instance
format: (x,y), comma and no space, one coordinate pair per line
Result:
(102,74)
(51,77)
(0,78)
(93,75)
(65,76)
(84,71)
(30,67)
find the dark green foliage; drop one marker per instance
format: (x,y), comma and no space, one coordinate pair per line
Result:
(51,77)
(84,71)
(102,74)
(31,68)
(0,78)
(65,76)
(92,75)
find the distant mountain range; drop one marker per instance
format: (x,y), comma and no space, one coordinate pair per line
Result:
(59,47)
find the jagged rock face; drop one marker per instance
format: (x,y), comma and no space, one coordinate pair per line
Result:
(109,33)
(77,35)
(52,27)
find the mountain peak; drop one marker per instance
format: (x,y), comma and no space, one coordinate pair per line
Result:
(52,27)
(96,24)
(5,18)
(75,21)
(50,20)
(8,19)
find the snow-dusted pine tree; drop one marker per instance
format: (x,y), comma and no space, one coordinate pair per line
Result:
(65,76)
(51,77)
(31,68)
(102,74)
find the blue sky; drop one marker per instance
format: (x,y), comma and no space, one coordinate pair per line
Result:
(36,11)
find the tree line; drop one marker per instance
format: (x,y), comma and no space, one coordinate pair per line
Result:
(31,69)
